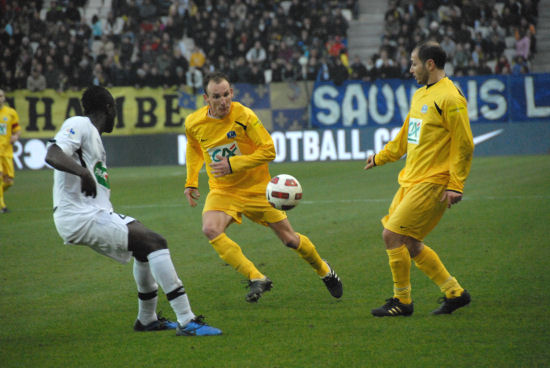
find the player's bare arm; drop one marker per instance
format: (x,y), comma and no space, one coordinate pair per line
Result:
(370,163)
(56,158)
(192,195)
(220,168)
(451,197)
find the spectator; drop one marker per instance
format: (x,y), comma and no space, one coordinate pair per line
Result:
(324,72)
(197,58)
(449,46)
(335,45)
(194,79)
(100,78)
(461,57)
(241,70)
(523,45)
(36,81)
(404,68)
(55,13)
(502,66)
(358,69)
(483,68)
(256,55)
(72,15)
(52,76)
(179,78)
(339,72)
(97,28)
(147,11)
(519,66)
(256,74)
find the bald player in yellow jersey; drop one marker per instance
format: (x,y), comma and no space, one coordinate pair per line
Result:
(236,148)
(437,139)
(9,134)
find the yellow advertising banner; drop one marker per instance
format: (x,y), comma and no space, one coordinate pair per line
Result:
(139,111)
(280,106)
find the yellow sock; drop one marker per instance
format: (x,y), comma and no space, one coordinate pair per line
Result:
(231,253)
(428,262)
(400,265)
(2,204)
(307,251)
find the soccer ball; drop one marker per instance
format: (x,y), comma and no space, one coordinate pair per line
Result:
(283,192)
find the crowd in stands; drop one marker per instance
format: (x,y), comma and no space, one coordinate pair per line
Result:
(479,37)
(172,43)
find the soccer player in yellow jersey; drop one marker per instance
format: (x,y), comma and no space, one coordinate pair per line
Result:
(9,134)
(236,148)
(437,139)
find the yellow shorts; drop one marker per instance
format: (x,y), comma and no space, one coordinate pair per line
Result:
(6,166)
(415,210)
(254,206)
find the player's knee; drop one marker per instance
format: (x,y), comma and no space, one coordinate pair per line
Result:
(210,232)
(8,182)
(292,241)
(389,236)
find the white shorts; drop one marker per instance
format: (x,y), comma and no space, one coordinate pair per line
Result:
(103,231)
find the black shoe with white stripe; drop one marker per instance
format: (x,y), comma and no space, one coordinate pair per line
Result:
(333,283)
(393,308)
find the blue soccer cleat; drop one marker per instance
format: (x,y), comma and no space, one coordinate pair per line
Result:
(197,327)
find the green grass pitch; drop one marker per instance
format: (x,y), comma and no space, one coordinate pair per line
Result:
(66,306)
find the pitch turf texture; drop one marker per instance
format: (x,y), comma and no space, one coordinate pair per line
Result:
(66,306)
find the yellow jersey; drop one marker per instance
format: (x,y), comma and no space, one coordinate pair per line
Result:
(436,136)
(241,137)
(9,124)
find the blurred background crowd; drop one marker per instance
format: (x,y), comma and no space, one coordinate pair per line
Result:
(172,43)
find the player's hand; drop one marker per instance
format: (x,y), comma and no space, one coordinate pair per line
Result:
(87,184)
(192,195)
(370,162)
(451,197)
(221,167)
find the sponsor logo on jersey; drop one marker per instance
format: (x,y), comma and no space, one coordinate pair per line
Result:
(101,175)
(414,130)
(3,129)
(226,150)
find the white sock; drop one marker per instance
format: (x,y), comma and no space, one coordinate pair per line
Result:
(147,308)
(165,274)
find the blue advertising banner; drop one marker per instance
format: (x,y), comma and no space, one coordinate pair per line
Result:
(491,99)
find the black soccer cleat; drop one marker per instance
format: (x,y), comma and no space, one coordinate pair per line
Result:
(160,324)
(393,308)
(449,305)
(4,210)
(333,283)
(154,326)
(257,288)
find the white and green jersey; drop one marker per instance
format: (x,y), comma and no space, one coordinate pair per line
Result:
(80,139)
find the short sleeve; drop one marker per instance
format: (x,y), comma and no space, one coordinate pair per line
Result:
(70,136)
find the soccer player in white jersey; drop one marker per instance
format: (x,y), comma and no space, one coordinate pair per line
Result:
(83,215)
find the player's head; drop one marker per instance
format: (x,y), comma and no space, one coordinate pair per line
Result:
(98,100)
(427,58)
(218,94)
